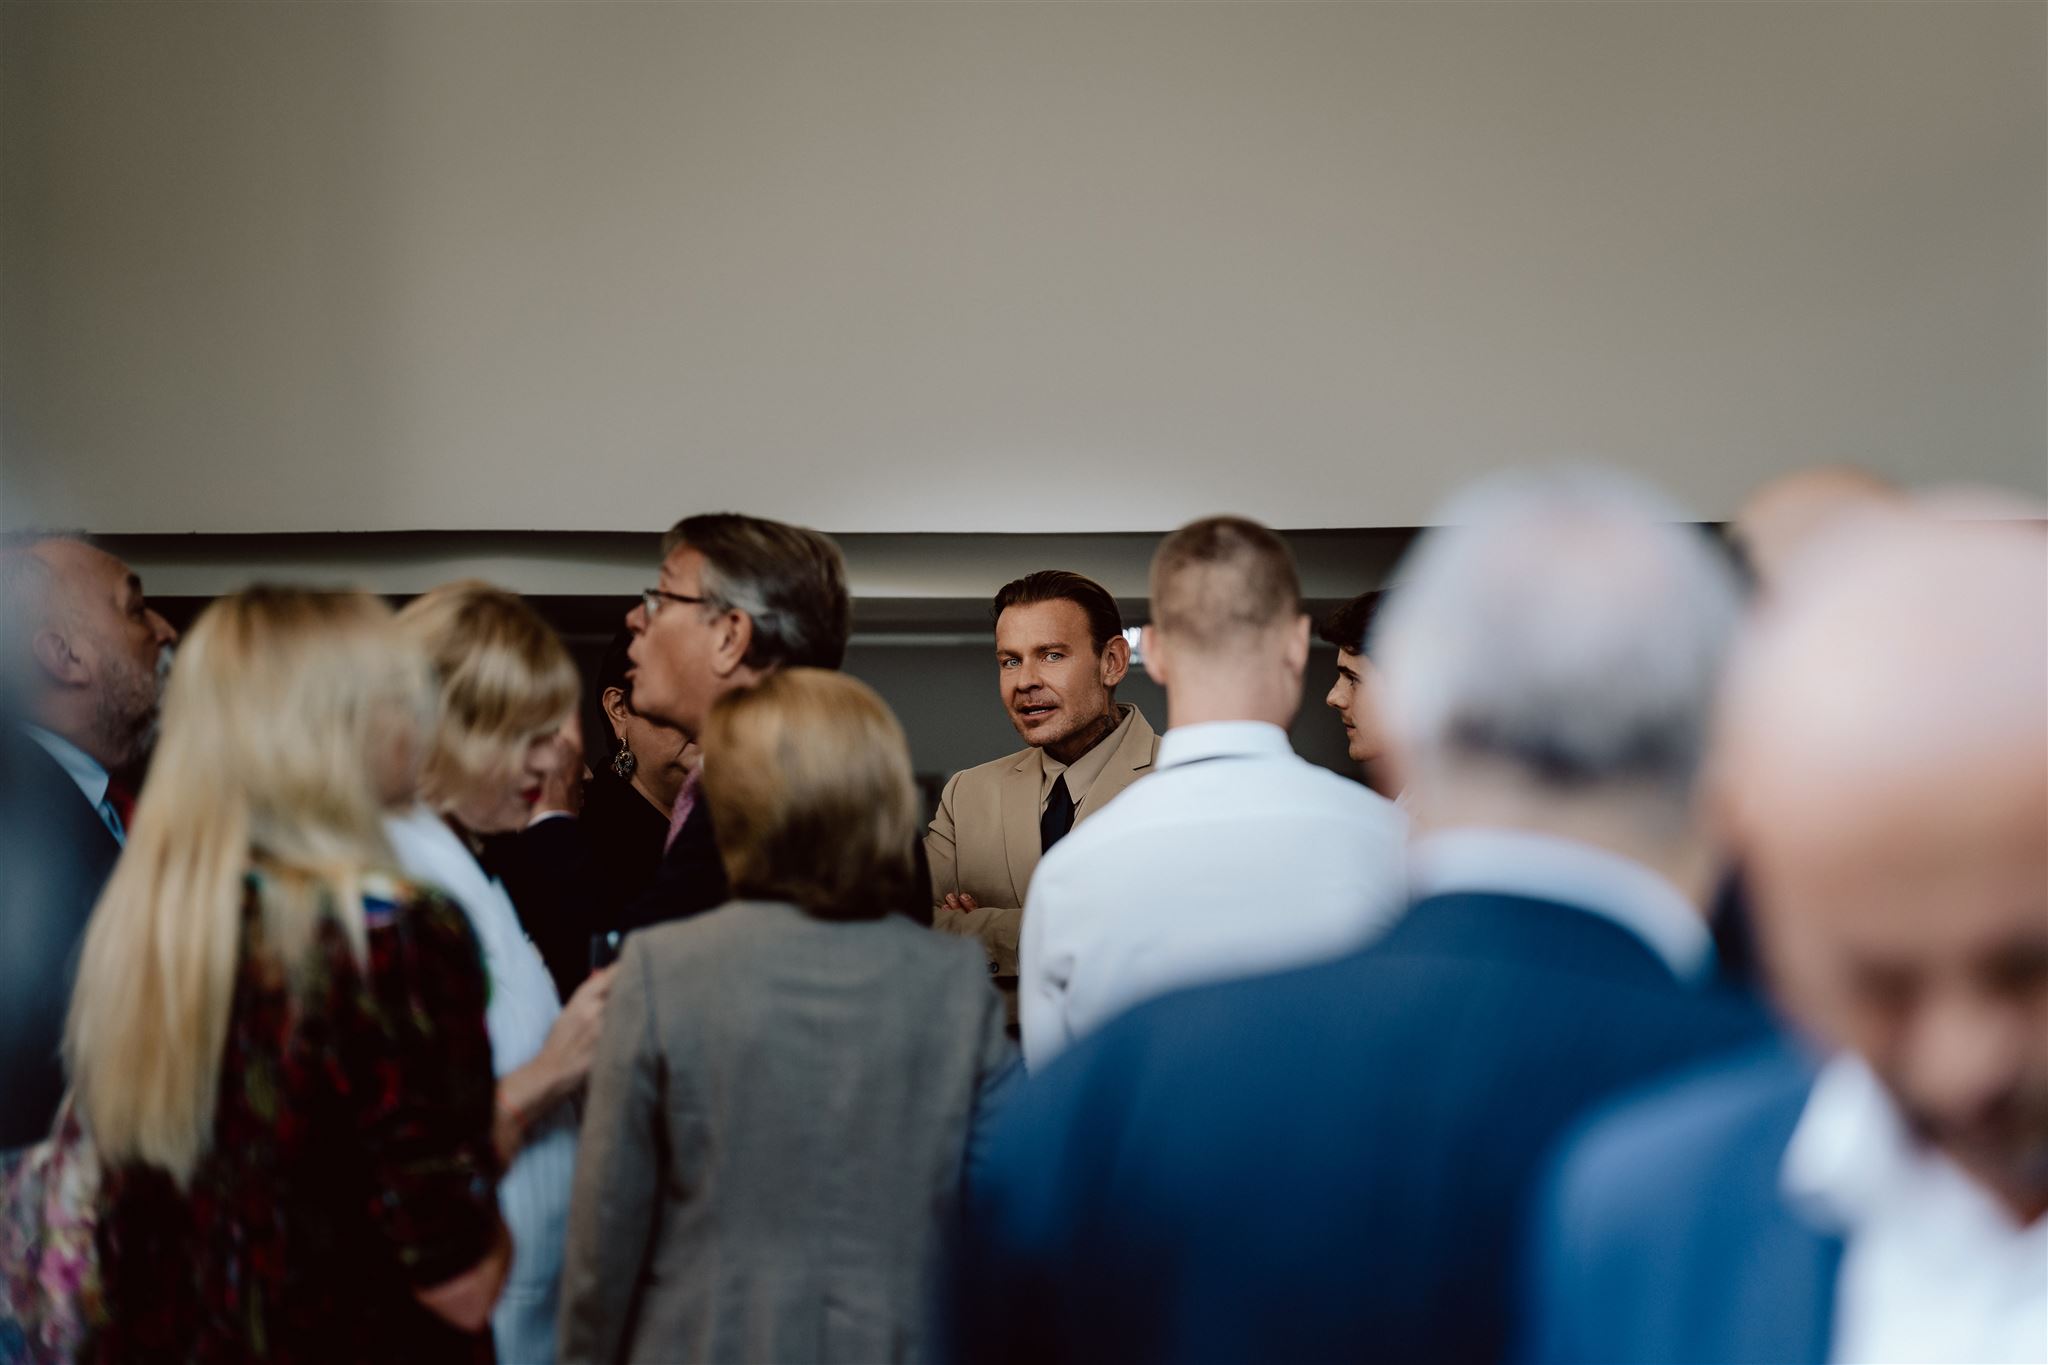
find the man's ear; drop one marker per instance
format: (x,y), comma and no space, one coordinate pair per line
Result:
(1295,651)
(1154,652)
(1116,661)
(59,662)
(732,636)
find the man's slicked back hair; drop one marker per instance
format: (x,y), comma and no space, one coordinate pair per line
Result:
(790,580)
(1105,622)
(1221,580)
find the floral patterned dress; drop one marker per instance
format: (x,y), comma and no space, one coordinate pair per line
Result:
(351,1162)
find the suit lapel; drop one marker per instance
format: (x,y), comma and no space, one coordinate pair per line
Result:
(1020,819)
(1131,761)
(93,846)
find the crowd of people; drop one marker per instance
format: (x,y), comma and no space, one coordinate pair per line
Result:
(1671,984)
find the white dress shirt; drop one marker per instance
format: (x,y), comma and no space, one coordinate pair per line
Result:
(85,770)
(1232,857)
(534,1195)
(1514,862)
(1933,1267)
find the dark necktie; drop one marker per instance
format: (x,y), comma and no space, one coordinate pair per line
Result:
(1058,817)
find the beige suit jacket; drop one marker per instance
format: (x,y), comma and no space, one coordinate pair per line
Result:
(984,839)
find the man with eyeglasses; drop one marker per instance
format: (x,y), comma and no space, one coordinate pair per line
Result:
(738,598)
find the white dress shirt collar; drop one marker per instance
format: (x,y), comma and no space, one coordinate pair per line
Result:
(83,769)
(1221,739)
(1568,872)
(1933,1268)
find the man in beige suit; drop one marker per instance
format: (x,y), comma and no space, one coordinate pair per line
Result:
(1060,653)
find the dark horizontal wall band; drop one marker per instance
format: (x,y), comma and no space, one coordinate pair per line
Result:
(936,567)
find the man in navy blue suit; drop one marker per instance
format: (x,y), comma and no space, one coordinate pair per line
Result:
(1887,786)
(83,658)
(1331,1163)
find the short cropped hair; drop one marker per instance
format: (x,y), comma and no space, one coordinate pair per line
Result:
(504,677)
(790,580)
(1105,622)
(1221,579)
(1350,626)
(812,796)
(29,592)
(1573,624)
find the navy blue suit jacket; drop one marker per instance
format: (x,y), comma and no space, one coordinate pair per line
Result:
(55,857)
(1664,1238)
(1330,1163)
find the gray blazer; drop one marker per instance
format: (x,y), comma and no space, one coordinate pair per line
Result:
(773,1141)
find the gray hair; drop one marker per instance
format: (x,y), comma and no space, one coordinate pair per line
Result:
(789,580)
(1571,623)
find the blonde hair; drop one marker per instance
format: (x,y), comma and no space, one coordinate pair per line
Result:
(282,702)
(504,678)
(809,780)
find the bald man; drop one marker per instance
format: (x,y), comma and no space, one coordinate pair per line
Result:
(84,658)
(1885,778)
(1781,517)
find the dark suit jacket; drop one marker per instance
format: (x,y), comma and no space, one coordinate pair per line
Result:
(692,880)
(1325,1164)
(55,860)
(1664,1237)
(572,878)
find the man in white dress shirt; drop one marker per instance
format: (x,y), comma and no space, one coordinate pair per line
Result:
(1885,778)
(1233,856)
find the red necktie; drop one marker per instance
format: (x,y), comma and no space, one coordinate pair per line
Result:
(123,802)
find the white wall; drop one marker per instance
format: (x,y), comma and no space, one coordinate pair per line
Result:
(1065,267)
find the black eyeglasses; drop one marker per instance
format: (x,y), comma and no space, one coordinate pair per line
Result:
(652,598)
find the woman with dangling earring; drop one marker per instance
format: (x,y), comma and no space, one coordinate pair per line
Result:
(632,793)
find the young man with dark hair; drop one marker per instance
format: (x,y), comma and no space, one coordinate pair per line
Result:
(1355,694)
(1060,653)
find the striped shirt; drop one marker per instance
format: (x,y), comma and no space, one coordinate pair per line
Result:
(534,1195)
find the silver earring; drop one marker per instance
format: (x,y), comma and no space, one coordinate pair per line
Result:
(623,763)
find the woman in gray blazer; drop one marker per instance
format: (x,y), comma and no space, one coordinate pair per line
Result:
(778,1115)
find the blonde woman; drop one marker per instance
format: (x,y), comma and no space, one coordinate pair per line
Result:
(507,690)
(782,1098)
(277,1046)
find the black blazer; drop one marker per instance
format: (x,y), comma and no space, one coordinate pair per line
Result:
(1329,1163)
(55,857)
(571,879)
(692,879)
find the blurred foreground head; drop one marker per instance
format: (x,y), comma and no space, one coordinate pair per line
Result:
(811,794)
(1782,517)
(1550,656)
(1886,782)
